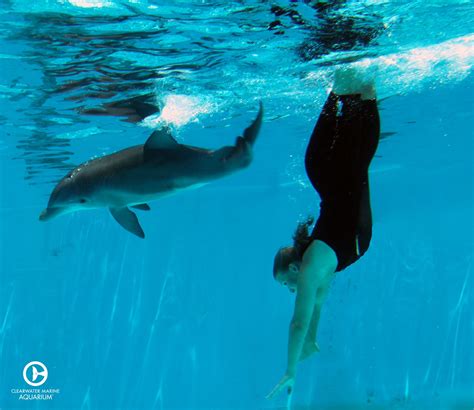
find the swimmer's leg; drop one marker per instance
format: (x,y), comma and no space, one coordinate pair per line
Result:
(359,127)
(359,123)
(317,158)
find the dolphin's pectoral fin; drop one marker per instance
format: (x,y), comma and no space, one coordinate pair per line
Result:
(142,207)
(128,220)
(161,139)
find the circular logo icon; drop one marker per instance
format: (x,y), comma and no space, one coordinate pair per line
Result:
(38,371)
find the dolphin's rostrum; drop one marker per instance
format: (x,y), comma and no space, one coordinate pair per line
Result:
(134,176)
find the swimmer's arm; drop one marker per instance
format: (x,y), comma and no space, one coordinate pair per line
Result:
(319,260)
(296,339)
(313,326)
(310,345)
(298,329)
(305,298)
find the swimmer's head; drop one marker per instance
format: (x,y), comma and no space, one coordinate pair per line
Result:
(286,264)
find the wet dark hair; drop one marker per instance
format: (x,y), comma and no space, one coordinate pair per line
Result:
(290,254)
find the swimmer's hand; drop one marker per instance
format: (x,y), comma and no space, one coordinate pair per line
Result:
(309,348)
(287,381)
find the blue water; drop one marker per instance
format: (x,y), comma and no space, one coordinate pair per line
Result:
(190,317)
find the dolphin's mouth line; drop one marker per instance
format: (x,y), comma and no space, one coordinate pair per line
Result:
(50,213)
(54,211)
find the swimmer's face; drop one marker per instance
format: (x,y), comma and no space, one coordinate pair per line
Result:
(288,277)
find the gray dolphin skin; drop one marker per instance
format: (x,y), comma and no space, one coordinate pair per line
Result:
(137,175)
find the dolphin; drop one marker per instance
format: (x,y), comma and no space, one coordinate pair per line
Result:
(132,177)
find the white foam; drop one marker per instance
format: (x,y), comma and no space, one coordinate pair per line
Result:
(90,3)
(446,62)
(179,110)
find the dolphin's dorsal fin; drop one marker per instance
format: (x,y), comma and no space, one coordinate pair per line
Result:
(128,220)
(161,139)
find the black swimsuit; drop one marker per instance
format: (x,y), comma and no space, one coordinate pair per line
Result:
(337,161)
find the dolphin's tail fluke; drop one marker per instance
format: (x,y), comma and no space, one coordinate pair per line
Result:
(251,132)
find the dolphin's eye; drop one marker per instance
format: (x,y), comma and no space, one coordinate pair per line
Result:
(82,201)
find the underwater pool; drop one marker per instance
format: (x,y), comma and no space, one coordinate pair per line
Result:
(190,317)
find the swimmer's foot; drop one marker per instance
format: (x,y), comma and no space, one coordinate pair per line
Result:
(352,80)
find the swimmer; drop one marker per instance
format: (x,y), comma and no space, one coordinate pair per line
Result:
(337,161)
